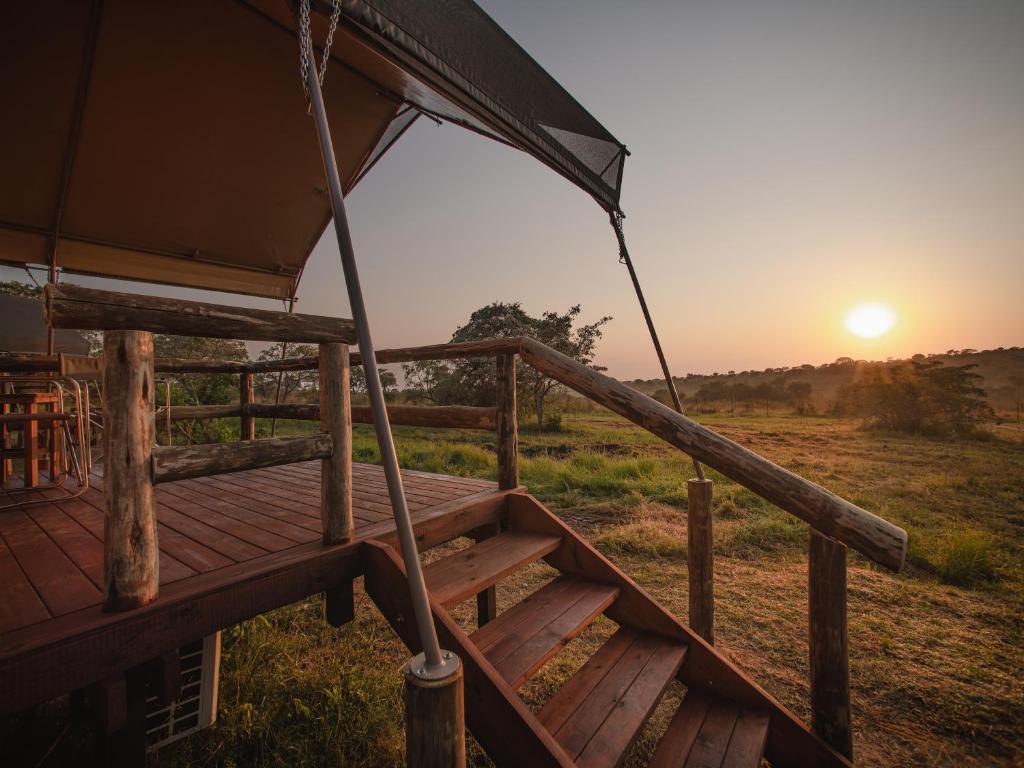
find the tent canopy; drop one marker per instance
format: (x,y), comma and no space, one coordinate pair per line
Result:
(169,141)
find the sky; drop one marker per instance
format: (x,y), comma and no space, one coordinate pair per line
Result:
(791,159)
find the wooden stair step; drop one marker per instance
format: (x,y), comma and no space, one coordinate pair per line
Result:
(519,641)
(711,732)
(601,710)
(475,568)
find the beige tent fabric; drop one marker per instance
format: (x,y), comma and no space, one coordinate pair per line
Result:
(168,140)
(195,162)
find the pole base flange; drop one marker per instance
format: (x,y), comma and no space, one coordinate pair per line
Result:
(418,669)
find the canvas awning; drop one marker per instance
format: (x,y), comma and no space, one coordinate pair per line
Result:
(169,142)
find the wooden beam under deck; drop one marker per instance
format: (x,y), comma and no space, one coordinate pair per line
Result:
(232,546)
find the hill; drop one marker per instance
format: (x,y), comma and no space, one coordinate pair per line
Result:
(1002,369)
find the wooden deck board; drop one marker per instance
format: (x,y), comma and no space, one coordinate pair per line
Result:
(51,554)
(20,605)
(48,649)
(171,568)
(60,584)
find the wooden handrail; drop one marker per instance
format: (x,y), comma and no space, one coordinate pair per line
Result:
(181,462)
(50,363)
(21,418)
(872,536)
(72,306)
(454,351)
(441,416)
(184,365)
(187,412)
(877,539)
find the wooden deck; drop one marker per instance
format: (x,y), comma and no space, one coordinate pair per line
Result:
(231,546)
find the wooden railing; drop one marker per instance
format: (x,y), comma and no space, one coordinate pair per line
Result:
(835,523)
(134,465)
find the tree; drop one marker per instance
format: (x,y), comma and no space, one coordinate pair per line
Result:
(918,397)
(291,381)
(388,382)
(201,388)
(1017,382)
(800,394)
(471,382)
(18,288)
(954,396)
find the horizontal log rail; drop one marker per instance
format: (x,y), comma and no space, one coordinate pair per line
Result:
(877,539)
(184,365)
(21,418)
(188,412)
(182,462)
(847,523)
(437,416)
(489,348)
(72,306)
(50,363)
(440,416)
(27,363)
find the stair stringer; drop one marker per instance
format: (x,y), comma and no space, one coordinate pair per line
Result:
(790,741)
(505,727)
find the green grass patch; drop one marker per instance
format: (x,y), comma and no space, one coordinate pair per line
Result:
(947,630)
(967,559)
(763,536)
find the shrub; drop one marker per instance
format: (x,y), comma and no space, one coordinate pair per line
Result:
(553,422)
(966,559)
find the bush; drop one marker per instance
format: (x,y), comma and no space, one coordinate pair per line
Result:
(966,559)
(918,398)
(553,422)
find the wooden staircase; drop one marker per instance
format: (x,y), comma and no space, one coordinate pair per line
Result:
(724,719)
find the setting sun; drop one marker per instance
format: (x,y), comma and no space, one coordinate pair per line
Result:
(869,321)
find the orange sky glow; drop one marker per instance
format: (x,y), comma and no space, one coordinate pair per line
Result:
(791,160)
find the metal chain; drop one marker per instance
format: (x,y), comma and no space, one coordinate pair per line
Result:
(306,43)
(333,25)
(617,217)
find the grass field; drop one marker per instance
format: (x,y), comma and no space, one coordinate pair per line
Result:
(937,652)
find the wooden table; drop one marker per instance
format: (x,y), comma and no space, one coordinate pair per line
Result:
(29,403)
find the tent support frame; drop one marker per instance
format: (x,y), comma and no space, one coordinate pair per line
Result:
(437,665)
(616,219)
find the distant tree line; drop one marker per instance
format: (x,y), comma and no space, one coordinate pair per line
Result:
(794,392)
(918,397)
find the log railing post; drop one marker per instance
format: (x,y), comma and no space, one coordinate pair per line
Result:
(507,439)
(487,599)
(246,396)
(435,726)
(336,420)
(700,558)
(5,463)
(30,448)
(508,429)
(130,551)
(829,650)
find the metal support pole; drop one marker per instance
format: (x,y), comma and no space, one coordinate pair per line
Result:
(435,665)
(673,393)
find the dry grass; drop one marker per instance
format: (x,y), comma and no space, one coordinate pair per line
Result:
(937,652)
